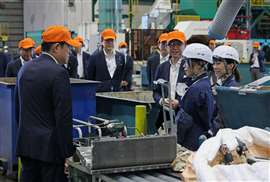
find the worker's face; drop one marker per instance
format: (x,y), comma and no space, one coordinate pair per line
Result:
(123,50)
(163,48)
(212,46)
(108,45)
(255,48)
(26,53)
(176,48)
(61,53)
(192,68)
(221,69)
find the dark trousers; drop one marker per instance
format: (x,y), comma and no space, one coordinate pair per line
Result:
(255,74)
(39,171)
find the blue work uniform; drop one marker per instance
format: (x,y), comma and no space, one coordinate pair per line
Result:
(196,112)
(230,82)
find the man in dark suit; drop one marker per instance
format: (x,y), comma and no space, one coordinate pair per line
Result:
(126,83)
(107,65)
(45,117)
(26,50)
(82,58)
(156,59)
(72,66)
(173,72)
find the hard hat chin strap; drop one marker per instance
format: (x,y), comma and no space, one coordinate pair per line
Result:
(226,67)
(227,74)
(195,77)
(206,66)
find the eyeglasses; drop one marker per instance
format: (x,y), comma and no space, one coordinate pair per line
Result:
(175,43)
(109,41)
(163,43)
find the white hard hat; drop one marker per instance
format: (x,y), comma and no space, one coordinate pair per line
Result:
(198,51)
(226,52)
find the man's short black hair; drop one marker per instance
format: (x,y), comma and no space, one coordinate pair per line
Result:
(46,46)
(28,49)
(230,61)
(203,39)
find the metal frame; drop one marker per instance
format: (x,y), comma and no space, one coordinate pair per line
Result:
(89,125)
(169,124)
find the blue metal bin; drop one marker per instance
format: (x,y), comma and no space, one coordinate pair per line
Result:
(83,105)
(8,125)
(240,107)
(121,106)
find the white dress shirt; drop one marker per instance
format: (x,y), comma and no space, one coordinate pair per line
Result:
(22,60)
(255,60)
(111,62)
(163,59)
(80,64)
(174,71)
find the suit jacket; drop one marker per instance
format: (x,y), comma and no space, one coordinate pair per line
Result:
(152,64)
(13,68)
(3,64)
(163,72)
(128,70)
(45,117)
(98,71)
(72,66)
(85,59)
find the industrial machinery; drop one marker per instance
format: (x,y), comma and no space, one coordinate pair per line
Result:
(104,127)
(109,153)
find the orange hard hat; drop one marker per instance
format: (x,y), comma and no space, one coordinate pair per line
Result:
(108,33)
(176,35)
(78,43)
(122,44)
(256,44)
(26,43)
(79,38)
(163,37)
(38,50)
(58,33)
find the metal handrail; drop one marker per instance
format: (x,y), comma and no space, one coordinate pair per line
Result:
(89,125)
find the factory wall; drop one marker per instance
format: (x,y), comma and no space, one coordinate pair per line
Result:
(38,14)
(11,24)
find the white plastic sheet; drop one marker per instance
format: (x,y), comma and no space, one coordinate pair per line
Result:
(259,171)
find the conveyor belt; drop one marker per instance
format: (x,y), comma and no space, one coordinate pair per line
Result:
(143,176)
(81,173)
